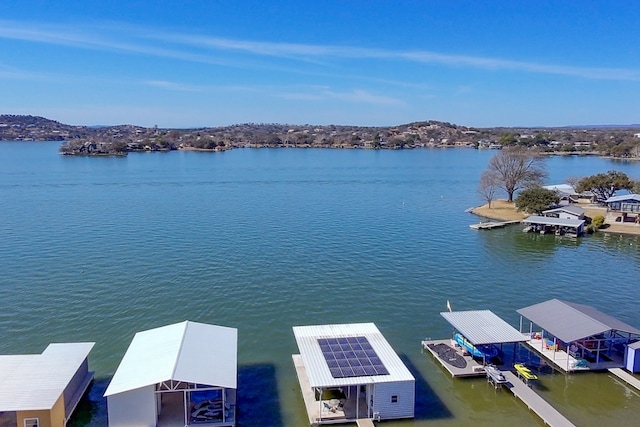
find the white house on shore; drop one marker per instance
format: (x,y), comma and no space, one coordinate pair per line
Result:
(349,372)
(177,375)
(43,390)
(565,212)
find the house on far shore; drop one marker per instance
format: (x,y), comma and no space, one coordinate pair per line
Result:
(568,194)
(43,390)
(624,209)
(177,375)
(565,212)
(350,372)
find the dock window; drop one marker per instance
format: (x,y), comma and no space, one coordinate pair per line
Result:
(32,422)
(394,398)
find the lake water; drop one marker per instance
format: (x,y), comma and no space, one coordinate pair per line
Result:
(96,249)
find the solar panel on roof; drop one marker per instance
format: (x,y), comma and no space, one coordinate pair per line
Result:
(351,357)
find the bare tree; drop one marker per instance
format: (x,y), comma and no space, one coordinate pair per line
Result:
(517,168)
(573,181)
(489,186)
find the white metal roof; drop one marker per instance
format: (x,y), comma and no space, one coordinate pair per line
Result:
(316,365)
(483,327)
(563,222)
(572,209)
(36,381)
(570,321)
(562,188)
(623,197)
(187,351)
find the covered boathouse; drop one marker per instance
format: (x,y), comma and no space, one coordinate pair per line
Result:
(483,328)
(558,226)
(480,329)
(177,375)
(576,337)
(43,390)
(349,372)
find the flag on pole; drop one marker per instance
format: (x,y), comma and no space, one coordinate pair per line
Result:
(448,306)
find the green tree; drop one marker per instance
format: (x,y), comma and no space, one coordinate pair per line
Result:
(507,139)
(536,199)
(605,185)
(517,168)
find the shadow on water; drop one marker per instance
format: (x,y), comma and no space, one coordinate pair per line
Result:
(258,399)
(428,405)
(92,409)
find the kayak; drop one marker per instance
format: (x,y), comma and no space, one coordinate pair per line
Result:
(482,350)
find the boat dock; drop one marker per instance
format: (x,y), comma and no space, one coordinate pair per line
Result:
(493,224)
(626,377)
(448,356)
(534,402)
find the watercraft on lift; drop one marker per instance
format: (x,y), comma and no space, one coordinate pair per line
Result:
(525,372)
(481,350)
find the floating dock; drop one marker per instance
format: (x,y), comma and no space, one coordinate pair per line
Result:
(534,402)
(471,369)
(520,389)
(626,377)
(493,224)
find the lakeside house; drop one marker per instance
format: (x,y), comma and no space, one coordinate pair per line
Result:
(624,208)
(349,372)
(43,390)
(565,212)
(176,375)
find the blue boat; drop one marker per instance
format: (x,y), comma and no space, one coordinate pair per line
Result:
(482,350)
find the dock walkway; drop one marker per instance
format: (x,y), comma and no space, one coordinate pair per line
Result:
(364,422)
(534,402)
(626,377)
(493,224)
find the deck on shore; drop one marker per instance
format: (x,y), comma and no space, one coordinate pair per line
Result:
(534,402)
(493,224)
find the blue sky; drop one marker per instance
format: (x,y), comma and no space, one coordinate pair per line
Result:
(372,63)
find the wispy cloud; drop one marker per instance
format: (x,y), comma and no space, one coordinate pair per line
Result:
(301,93)
(206,49)
(359,96)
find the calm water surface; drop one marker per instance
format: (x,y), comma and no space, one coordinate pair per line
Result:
(262,240)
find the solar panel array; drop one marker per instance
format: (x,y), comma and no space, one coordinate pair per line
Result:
(351,357)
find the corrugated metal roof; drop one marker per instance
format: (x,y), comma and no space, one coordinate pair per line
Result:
(563,222)
(561,188)
(36,381)
(623,197)
(572,209)
(483,327)
(316,366)
(188,351)
(570,321)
